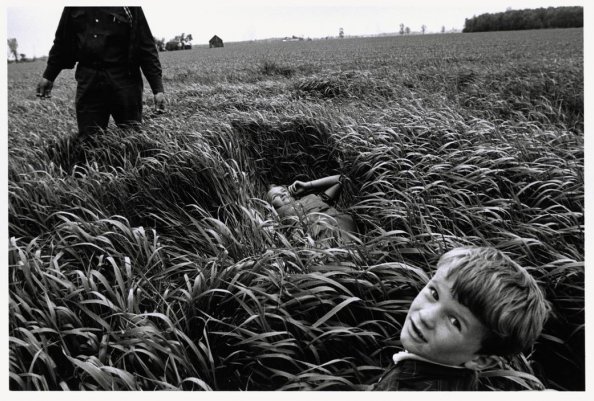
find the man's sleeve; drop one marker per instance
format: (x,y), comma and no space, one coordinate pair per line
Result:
(331,194)
(148,57)
(61,55)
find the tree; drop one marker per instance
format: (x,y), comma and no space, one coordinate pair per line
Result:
(187,41)
(443,29)
(13,46)
(407,30)
(551,17)
(402,29)
(423,28)
(340,33)
(159,43)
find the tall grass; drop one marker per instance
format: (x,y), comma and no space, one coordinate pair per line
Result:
(149,260)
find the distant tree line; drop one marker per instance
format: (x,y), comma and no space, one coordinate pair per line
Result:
(13,46)
(540,18)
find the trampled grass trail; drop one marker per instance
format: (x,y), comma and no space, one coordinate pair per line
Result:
(149,260)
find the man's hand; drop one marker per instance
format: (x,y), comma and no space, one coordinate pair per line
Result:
(160,101)
(44,88)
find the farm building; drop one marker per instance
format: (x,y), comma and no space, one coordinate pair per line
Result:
(215,41)
(180,42)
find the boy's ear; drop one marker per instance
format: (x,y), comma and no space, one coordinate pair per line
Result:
(481,362)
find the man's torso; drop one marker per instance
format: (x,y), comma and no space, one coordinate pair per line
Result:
(102,35)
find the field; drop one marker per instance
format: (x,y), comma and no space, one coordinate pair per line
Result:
(150,260)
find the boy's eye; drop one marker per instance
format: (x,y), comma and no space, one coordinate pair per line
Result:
(455,322)
(434,293)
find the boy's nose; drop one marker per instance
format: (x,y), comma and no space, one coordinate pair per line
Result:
(428,316)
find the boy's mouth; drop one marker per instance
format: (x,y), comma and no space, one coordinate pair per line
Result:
(417,332)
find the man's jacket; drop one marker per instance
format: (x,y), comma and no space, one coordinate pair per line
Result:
(110,38)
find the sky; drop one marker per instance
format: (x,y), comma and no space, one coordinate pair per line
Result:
(33,23)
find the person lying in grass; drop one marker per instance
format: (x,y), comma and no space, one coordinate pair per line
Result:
(479,307)
(304,203)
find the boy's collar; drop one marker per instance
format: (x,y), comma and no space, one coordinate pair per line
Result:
(409,355)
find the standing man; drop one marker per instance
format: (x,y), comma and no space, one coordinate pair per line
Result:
(111,46)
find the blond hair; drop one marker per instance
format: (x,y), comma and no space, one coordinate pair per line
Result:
(501,294)
(270,187)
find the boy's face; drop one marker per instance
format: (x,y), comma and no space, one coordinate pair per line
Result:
(279,196)
(438,327)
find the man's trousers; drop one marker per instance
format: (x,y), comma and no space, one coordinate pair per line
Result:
(101,93)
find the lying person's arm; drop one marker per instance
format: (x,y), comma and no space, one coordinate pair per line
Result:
(298,187)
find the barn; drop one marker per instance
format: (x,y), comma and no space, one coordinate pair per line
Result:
(215,41)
